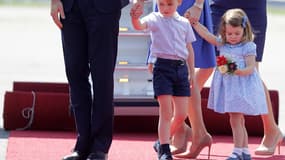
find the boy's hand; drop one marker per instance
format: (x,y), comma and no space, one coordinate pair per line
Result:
(137,9)
(150,67)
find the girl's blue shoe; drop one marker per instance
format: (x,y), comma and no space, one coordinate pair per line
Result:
(246,156)
(238,157)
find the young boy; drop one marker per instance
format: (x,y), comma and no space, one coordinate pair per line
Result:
(173,72)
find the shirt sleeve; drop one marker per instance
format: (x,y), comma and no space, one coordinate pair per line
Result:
(219,39)
(250,49)
(149,20)
(151,58)
(190,37)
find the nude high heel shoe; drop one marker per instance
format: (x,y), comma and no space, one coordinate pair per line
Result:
(175,149)
(264,150)
(206,141)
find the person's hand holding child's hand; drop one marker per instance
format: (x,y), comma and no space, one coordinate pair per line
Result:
(193,14)
(137,9)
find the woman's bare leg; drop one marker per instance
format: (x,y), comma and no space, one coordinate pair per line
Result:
(194,113)
(180,139)
(271,130)
(199,131)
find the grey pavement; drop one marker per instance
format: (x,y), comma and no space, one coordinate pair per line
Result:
(30,50)
(276,3)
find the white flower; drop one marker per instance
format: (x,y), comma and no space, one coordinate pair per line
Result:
(223,68)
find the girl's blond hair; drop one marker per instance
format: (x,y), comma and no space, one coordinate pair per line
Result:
(236,17)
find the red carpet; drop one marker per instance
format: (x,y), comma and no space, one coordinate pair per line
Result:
(42,145)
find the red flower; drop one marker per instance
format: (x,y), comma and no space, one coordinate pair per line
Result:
(226,65)
(221,60)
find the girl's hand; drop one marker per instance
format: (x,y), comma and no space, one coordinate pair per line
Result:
(137,9)
(238,72)
(193,14)
(150,67)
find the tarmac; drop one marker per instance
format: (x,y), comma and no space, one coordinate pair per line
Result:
(31,51)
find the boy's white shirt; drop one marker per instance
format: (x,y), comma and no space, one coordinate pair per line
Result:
(172,45)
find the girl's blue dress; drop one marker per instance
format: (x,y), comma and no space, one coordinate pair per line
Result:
(232,93)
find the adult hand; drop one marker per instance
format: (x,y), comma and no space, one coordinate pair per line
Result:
(137,9)
(56,11)
(193,14)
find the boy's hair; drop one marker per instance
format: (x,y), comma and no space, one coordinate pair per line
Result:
(169,1)
(236,17)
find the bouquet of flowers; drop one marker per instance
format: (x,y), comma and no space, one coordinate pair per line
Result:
(226,65)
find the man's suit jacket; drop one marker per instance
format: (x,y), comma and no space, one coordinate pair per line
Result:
(103,6)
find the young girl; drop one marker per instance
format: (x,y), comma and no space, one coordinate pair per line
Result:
(241,92)
(173,58)
(257,10)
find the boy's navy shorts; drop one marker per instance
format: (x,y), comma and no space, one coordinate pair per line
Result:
(170,77)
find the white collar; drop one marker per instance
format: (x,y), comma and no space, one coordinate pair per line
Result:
(175,16)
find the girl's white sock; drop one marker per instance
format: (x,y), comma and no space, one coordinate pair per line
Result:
(245,150)
(237,151)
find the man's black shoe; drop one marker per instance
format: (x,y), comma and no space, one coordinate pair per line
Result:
(98,155)
(164,152)
(156,146)
(166,156)
(73,156)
